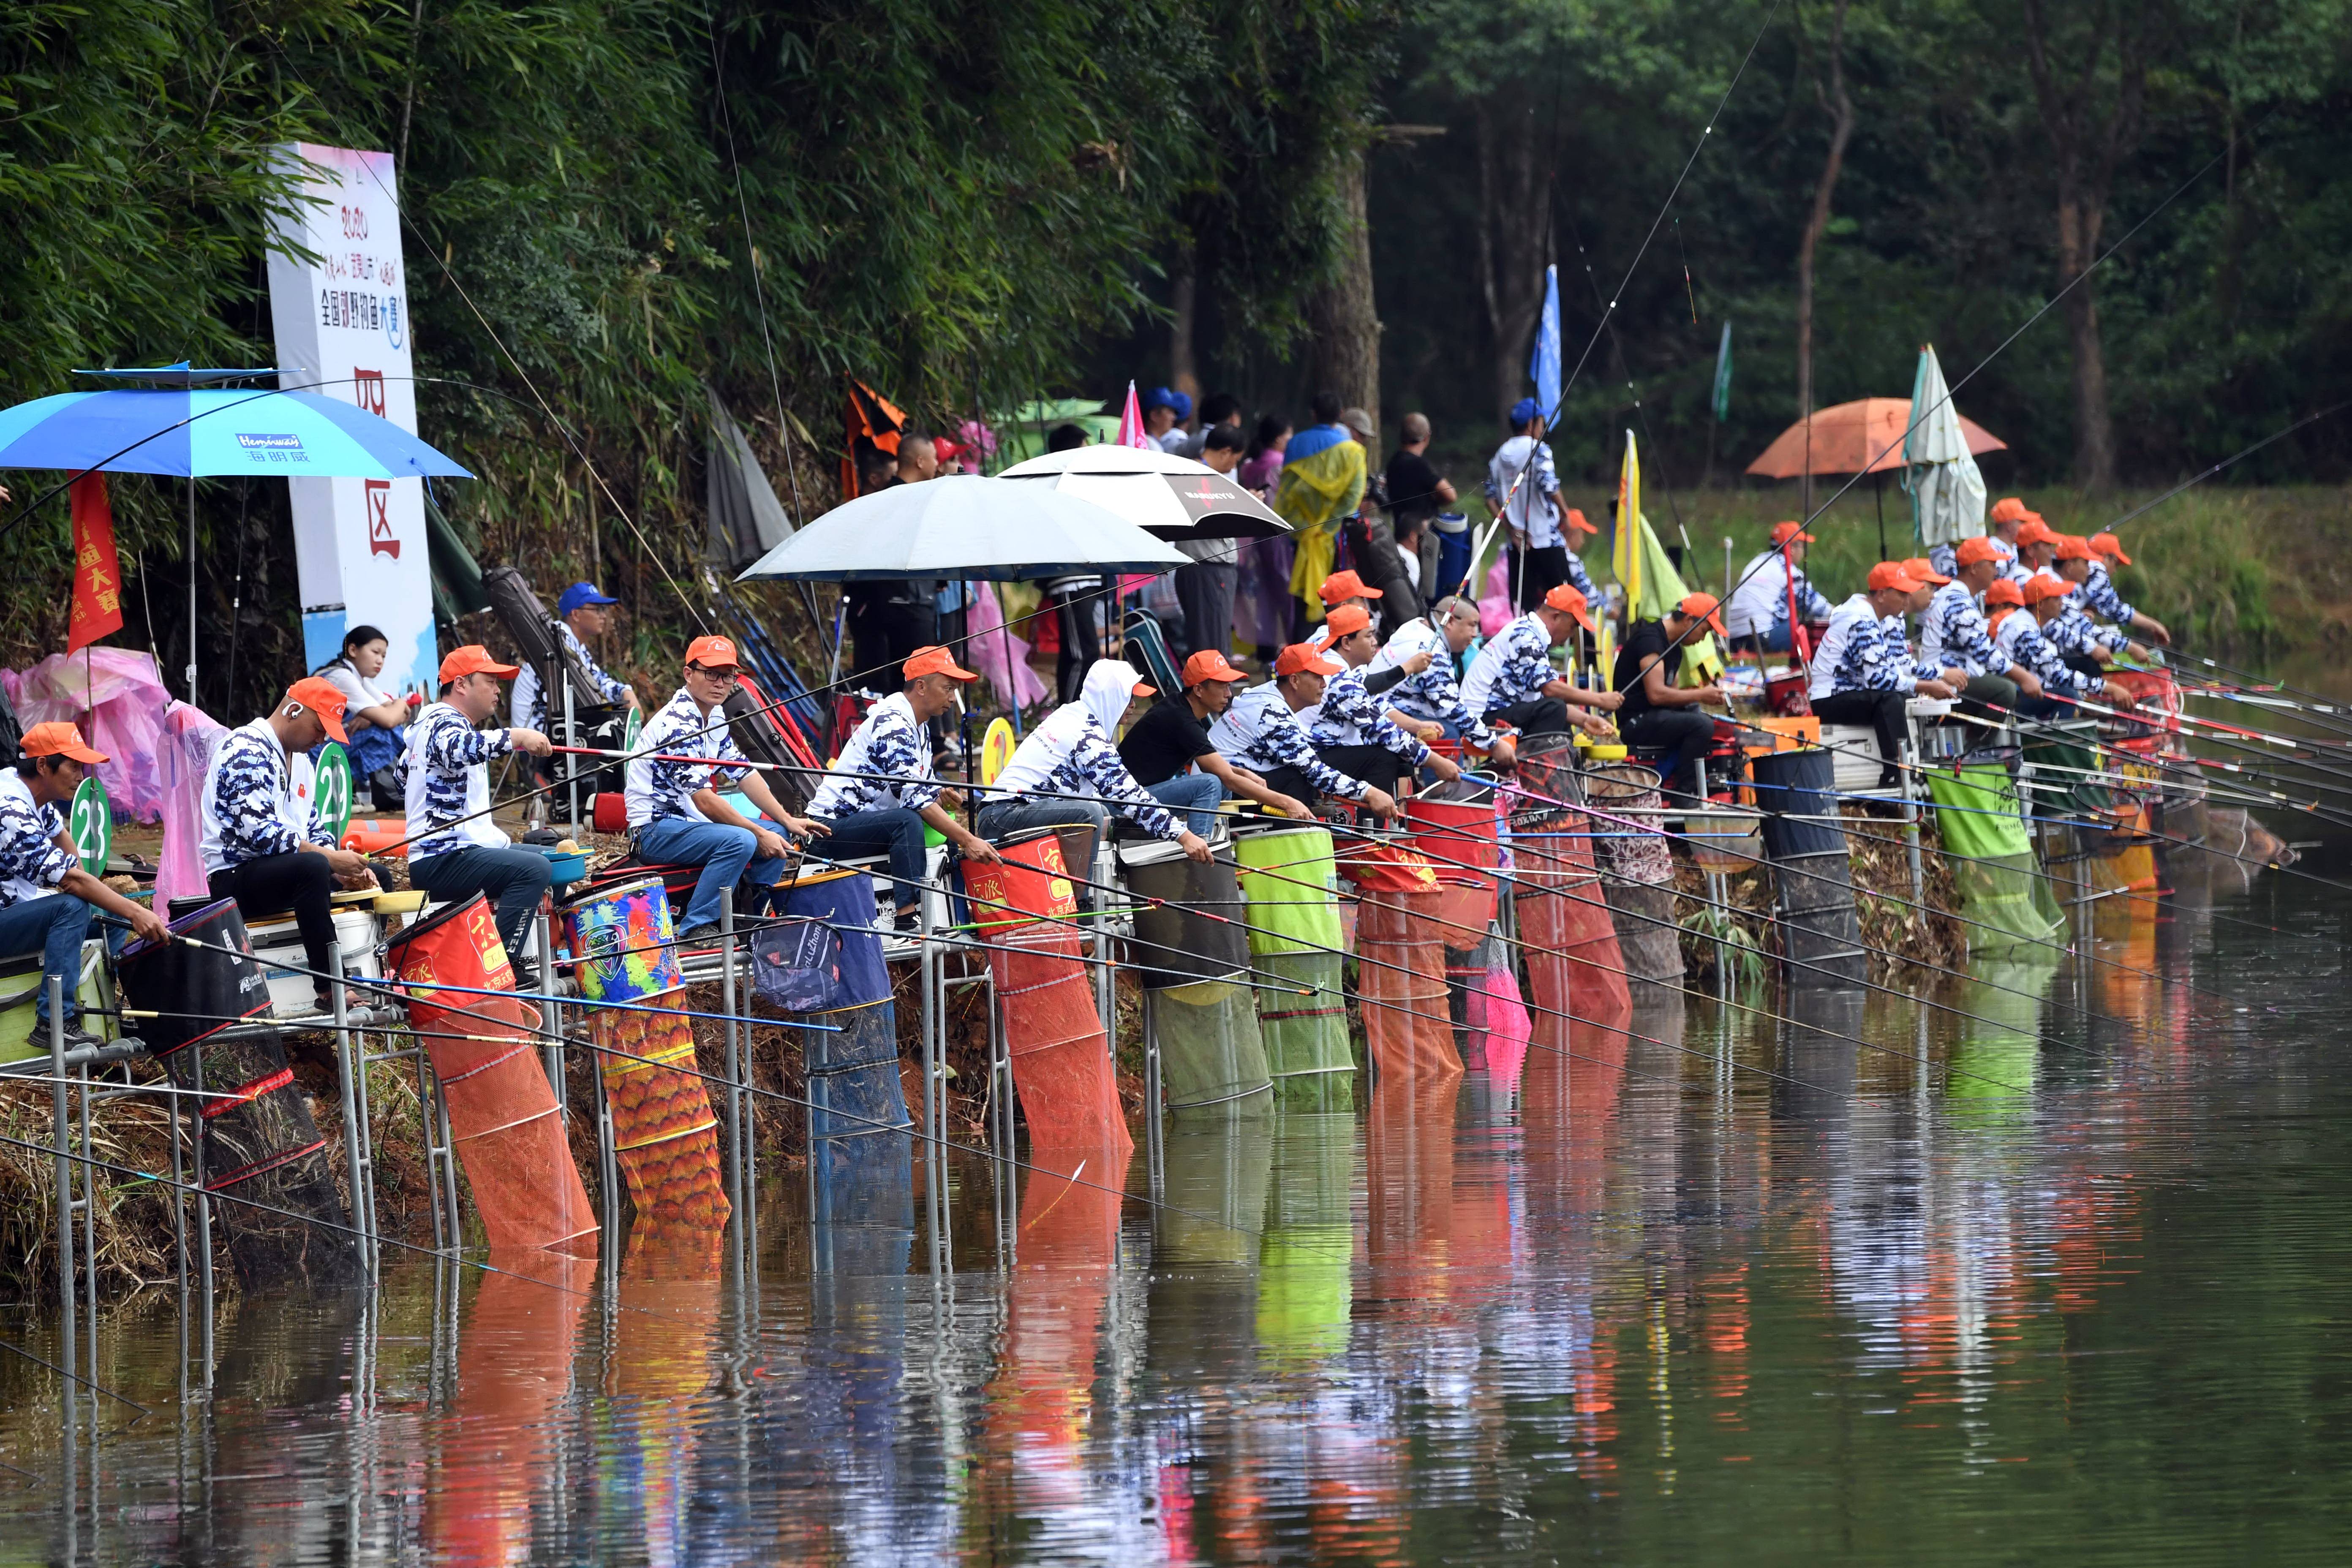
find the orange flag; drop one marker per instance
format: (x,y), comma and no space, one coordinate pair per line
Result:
(98,574)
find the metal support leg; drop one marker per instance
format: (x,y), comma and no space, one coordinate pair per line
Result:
(350,1064)
(551,1014)
(1911,819)
(571,737)
(734,1054)
(1154,1153)
(60,1127)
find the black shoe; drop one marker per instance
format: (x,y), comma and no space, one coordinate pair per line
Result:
(77,1038)
(526,973)
(707,931)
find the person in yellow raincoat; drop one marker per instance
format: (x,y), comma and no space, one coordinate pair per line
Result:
(1322,482)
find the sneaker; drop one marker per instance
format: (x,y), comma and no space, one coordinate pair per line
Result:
(526,973)
(77,1038)
(707,931)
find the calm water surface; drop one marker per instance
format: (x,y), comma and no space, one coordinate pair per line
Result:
(2066,1281)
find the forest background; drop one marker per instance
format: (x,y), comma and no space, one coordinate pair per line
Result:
(616,204)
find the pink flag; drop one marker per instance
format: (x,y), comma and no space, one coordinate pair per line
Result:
(1130,425)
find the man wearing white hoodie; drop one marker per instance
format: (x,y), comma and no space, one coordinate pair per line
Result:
(1069,769)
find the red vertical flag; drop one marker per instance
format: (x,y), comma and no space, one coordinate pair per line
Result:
(98,574)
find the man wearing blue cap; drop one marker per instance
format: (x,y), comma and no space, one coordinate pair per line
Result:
(1523,489)
(582,611)
(1164,413)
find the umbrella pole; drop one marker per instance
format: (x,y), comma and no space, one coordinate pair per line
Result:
(1878,488)
(192,590)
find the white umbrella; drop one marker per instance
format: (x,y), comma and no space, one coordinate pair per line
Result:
(1948,493)
(1167,496)
(961,525)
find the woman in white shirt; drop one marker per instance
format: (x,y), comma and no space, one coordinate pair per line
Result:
(373,716)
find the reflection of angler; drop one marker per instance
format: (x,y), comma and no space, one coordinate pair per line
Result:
(255,1137)
(1291,887)
(824,961)
(503,1119)
(1195,966)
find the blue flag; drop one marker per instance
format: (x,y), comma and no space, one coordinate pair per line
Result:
(1543,366)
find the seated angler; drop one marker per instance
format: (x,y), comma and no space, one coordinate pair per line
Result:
(45,897)
(1425,692)
(2082,641)
(1862,671)
(1513,679)
(1658,713)
(676,813)
(1952,632)
(1338,590)
(584,611)
(880,793)
(2099,595)
(262,845)
(454,850)
(1172,738)
(1351,733)
(1922,572)
(2037,545)
(1068,770)
(1265,731)
(2018,616)
(1758,616)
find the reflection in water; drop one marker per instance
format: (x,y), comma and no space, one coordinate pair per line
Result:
(1868,1282)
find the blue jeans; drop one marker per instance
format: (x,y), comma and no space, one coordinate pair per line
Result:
(1197,794)
(512,879)
(895,831)
(724,852)
(55,926)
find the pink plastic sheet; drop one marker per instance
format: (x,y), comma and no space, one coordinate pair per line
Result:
(182,753)
(1494,610)
(118,699)
(986,651)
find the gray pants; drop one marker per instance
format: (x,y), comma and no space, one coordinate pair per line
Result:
(1206,590)
(1998,690)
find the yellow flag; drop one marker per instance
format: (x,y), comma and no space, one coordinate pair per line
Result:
(1625,558)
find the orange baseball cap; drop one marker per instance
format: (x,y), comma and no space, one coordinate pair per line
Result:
(58,738)
(325,699)
(926,661)
(1570,601)
(1890,575)
(2043,585)
(2037,531)
(1347,621)
(2108,545)
(1345,585)
(2073,547)
(1922,570)
(1300,659)
(474,659)
(1970,551)
(1703,606)
(1782,532)
(2009,509)
(1576,521)
(1210,665)
(2004,591)
(712,652)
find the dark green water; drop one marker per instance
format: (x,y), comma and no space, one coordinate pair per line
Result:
(2075,1286)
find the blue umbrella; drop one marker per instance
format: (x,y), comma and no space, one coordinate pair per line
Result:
(262,434)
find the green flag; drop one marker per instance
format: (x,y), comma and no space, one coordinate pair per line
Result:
(1722,398)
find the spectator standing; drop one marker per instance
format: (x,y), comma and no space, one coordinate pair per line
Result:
(1206,588)
(1217,409)
(1417,492)
(1262,463)
(1523,489)
(889,620)
(1372,541)
(1321,486)
(1164,413)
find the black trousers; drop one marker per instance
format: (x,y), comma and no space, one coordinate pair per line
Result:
(1882,710)
(1376,765)
(1688,733)
(1205,589)
(882,637)
(1540,570)
(1294,783)
(2084,664)
(297,880)
(1535,716)
(1082,607)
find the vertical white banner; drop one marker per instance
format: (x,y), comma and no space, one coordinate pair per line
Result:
(343,331)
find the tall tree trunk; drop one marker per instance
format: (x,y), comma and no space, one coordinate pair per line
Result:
(1514,238)
(1347,325)
(1183,299)
(2087,139)
(1840,107)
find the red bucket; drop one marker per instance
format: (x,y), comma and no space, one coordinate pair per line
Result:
(1029,885)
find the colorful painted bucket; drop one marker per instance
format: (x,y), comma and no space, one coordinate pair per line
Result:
(622,942)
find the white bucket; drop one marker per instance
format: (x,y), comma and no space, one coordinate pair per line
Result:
(292,992)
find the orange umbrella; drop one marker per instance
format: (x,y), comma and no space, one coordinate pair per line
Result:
(1847,437)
